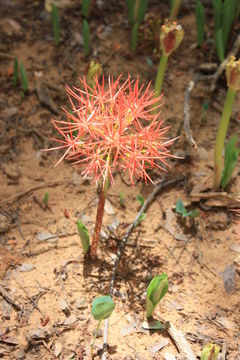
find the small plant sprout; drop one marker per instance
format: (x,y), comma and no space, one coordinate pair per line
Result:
(210,352)
(140,199)
(46,199)
(180,209)
(200,20)
(104,132)
(175,7)
(55,24)
(230,160)
(94,69)
(233,82)
(24,79)
(170,37)
(122,198)
(86,5)
(84,236)
(15,72)
(102,308)
(136,12)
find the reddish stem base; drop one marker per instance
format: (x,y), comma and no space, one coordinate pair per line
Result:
(98,224)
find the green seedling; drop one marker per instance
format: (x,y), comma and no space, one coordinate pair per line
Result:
(200,20)
(15,72)
(55,23)
(155,292)
(180,209)
(210,352)
(175,7)
(230,160)
(122,198)
(24,79)
(102,308)
(140,199)
(86,7)
(136,12)
(233,82)
(46,199)
(141,218)
(170,38)
(84,236)
(86,37)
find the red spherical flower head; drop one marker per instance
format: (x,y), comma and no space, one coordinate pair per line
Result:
(113,126)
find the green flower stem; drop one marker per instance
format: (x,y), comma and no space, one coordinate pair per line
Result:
(175,9)
(221,135)
(95,336)
(160,74)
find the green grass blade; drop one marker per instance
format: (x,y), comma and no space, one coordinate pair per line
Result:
(230,162)
(15,72)
(200,20)
(24,79)
(175,7)
(86,37)
(217,9)
(219,44)
(134,37)
(130,7)
(55,23)
(142,7)
(227,21)
(86,7)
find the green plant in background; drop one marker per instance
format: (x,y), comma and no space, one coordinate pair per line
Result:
(175,7)
(230,160)
(136,12)
(170,38)
(84,236)
(86,37)
(94,70)
(140,199)
(122,198)
(200,20)
(224,14)
(46,199)
(210,352)
(86,4)
(15,72)
(155,292)
(233,82)
(102,308)
(24,78)
(180,209)
(55,23)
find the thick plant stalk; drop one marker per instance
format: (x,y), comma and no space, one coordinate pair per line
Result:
(221,135)
(98,223)
(160,74)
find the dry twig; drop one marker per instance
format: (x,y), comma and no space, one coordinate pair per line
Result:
(181,343)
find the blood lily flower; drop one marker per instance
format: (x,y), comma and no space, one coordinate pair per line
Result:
(112,127)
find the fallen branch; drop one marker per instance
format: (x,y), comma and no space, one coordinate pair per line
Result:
(162,185)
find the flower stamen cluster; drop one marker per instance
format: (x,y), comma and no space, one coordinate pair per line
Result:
(112,126)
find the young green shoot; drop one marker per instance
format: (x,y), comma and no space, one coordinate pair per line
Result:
(200,20)
(55,24)
(233,82)
(136,13)
(86,38)
(15,72)
(24,79)
(122,199)
(230,160)
(170,37)
(180,209)
(210,352)
(175,7)
(140,199)
(102,308)
(84,236)
(46,199)
(86,4)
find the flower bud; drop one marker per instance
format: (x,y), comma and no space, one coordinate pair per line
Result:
(170,37)
(93,71)
(233,73)
(210,352)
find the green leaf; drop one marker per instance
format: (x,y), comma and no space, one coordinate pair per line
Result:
(24,79)
(46,198)
(217,9)
(122,198)
(210,352)
(130,7)
(142,7)
(102,307)
(84,236)
(219,44)
(86,7)
(86,37)
(200,19)
(153,325)
(140,199)
(15,72)
(134,37)
(55,23)
(141,218)
(192,214)
(180,208)
(155,292)
(230,161)
(227,20)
